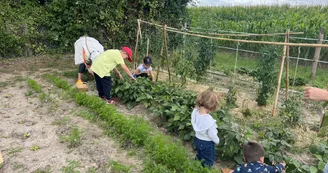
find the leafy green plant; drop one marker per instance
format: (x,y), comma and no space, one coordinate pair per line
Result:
(34,85)
(266,74)
(231,98)
(184,68)
(247,112)
(204,58)
(291,112)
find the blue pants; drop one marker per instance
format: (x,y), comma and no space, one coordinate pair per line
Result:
(104,86)
(205,151)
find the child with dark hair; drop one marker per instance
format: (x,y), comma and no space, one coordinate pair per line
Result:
(205,127)
(254,158)
(145,69)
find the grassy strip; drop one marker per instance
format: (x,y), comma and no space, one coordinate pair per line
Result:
(34,86)
(169,154)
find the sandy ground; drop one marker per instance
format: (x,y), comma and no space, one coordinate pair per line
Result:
(31,133)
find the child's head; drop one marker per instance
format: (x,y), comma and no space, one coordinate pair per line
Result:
(253,152)
(147,61)
(208,99)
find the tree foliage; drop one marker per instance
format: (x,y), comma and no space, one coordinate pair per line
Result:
(36,27)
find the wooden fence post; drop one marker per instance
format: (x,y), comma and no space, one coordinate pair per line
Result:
(287,64)
(317,54)
(167,53)
(160,62)
(279,79)
(136,47)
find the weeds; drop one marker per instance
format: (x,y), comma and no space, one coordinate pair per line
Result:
(34,85)
(3,84)
(62,121)
(71,168)
(14,151)
(116,167)
(73,139)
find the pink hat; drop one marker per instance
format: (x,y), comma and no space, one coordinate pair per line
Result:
(128,51)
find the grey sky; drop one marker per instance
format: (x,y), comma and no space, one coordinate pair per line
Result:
(259,2)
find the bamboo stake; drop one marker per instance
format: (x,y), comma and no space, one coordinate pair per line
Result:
(245,35)
(160,62)
(147,46)
(251,41)
(243,41)
(287,65)
(136,47)
(167,53)
(176,29)
(279,79)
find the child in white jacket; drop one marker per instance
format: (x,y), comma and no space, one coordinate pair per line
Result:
(205,127)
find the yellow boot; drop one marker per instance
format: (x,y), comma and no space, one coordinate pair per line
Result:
(81,86)
(79,82)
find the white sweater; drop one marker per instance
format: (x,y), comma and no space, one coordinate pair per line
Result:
(204,126)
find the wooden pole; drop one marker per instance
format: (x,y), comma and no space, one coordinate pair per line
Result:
(167,53)
(147,46)
(317,54)
(136,47)
(279,80)
(160,62)
(287,64)
(243,34)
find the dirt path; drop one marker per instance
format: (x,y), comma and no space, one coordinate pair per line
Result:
(35,136)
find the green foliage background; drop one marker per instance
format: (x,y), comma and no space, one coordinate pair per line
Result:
(262,20)
(31,28)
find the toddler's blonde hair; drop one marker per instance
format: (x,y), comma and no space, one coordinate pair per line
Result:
(208,99)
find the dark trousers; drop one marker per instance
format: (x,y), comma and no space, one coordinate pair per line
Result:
(82,68)
(205,151)
(104,86)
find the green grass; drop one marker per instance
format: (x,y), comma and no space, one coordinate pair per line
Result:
(225,61)
(13,151)
(72,166)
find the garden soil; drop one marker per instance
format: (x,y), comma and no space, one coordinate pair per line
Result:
(32,133)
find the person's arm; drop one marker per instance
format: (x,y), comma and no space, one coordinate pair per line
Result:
(237,170)
(118,73)
(213,134)
(315,94)
(276,169)
(127,71)
(137,72)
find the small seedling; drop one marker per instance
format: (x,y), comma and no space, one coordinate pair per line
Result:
(27,135)
(29,93)
(35,148)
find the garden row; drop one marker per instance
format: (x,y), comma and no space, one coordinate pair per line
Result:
(174,105)
(163,153)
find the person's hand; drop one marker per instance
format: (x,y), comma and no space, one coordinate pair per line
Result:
(90,71)
(315,94)
(283,163)
(133,79)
